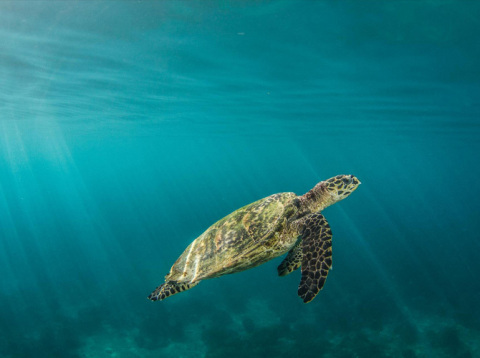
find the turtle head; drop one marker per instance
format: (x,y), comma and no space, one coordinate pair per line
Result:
(341,186)
(330,191)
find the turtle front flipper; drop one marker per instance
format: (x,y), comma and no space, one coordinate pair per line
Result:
(169,288)
(317,256)
(292,262)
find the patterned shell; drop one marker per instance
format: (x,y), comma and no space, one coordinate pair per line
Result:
(243,239)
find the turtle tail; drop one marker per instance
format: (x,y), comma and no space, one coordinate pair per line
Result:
(169,288)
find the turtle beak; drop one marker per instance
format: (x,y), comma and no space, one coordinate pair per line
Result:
(355,180)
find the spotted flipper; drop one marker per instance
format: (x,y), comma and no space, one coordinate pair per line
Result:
(292,262)
(317,256)
(169,288)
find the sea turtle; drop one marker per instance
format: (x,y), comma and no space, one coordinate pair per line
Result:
(261,231)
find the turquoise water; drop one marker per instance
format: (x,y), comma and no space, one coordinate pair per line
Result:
(127,128)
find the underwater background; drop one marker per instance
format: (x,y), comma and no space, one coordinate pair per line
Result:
(129,127)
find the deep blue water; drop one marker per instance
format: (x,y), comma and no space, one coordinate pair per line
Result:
(127,128)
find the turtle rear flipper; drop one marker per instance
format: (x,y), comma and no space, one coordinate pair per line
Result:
(317,256)
(169,288)
(293,260)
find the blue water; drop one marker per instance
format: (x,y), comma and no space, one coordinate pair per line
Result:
(127,128)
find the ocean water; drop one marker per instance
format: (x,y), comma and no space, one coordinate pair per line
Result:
(128,127)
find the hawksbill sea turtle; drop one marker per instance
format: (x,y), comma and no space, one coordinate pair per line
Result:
(261,231)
